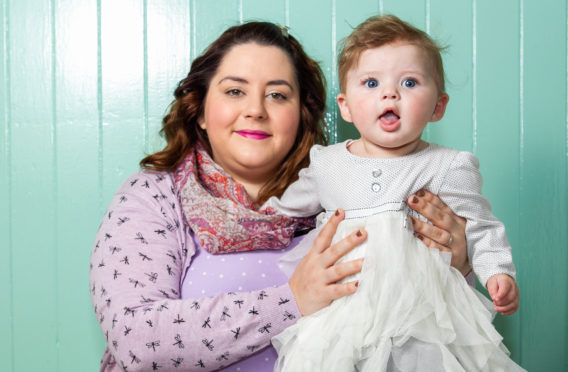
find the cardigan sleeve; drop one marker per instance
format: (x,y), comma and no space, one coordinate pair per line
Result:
(488,247)
(139,259)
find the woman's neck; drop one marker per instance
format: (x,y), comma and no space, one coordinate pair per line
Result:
(252,185)
(252,189)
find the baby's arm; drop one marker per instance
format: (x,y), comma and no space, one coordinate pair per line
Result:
(504,292)
(488,248)
(300,198)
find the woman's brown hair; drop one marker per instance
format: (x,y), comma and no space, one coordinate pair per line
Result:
(180,127)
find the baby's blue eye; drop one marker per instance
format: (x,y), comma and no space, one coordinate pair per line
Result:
(409,83)
(371,83)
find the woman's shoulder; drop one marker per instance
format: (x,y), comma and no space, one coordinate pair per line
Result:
(149,190)
(149,198)
(146,179)
(149,185)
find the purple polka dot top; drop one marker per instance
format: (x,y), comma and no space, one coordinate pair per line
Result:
(236,272)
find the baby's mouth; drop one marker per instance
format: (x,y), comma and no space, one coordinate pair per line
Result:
(389,120)
(389,117)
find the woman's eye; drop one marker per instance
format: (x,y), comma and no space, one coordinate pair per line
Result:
(234,92)
(371,83)
(276,95)
(409,83)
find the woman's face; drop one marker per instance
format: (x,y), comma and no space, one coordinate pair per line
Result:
(252,112)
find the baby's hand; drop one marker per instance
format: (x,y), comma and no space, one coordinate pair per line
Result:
(504,293)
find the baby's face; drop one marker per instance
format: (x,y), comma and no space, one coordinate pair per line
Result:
(390,96)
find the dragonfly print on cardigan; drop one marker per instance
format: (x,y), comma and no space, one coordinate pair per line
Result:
(142,250)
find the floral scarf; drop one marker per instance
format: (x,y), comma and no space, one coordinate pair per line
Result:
(221,213)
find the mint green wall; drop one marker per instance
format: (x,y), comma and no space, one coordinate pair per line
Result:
(84,84)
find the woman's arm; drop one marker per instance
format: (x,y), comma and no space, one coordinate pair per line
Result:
(139,258)
(445,224)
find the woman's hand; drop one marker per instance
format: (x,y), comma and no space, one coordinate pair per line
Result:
(447,232)
(314,282)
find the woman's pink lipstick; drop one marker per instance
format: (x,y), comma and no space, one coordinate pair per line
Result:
(253,134)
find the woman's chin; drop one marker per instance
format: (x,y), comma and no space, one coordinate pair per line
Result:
(256,161)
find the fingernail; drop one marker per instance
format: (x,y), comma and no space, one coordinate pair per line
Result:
(421,193)
(359,233)
(357,283)
(337,212)
(414,200)
(419,236)
(413,222)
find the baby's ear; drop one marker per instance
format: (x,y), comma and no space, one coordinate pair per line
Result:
(343,107)
(440,108)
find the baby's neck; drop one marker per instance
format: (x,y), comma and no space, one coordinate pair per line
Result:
(367,149)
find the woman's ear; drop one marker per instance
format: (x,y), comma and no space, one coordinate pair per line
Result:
(201,123)
(440,107)
(344,108)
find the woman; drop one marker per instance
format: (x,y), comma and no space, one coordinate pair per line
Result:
(238,132)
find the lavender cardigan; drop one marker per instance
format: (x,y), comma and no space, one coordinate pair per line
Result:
(151,295)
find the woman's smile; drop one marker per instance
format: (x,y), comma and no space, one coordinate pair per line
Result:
(253,134)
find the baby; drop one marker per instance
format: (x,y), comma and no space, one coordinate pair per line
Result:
(412,311)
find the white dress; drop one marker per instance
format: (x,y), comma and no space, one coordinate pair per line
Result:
(412,311)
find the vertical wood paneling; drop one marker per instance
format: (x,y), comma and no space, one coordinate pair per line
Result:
(33,186)
(77,173)
(497,107)
(84,86)
(6,305)
(261,10)
(122,67)
(211,18)
(448,20)
(317,42)
(169,45)
(542,265)
(410,11)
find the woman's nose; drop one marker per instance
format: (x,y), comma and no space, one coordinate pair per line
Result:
(255,108)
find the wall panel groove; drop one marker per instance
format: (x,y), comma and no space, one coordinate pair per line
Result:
(84,86)
(54,220)
(7,353)
(145,69)
(521,146)
(100,159)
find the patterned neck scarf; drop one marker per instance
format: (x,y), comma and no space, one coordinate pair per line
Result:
(221,213)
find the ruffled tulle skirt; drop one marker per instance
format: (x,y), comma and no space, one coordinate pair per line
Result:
(411,312)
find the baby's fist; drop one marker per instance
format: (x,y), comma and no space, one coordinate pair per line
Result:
(504,293)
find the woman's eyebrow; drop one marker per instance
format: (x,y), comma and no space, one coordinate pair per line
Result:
(233,78)
(280,82)
(245,81)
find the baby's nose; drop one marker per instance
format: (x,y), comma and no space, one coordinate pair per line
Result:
(389,93)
